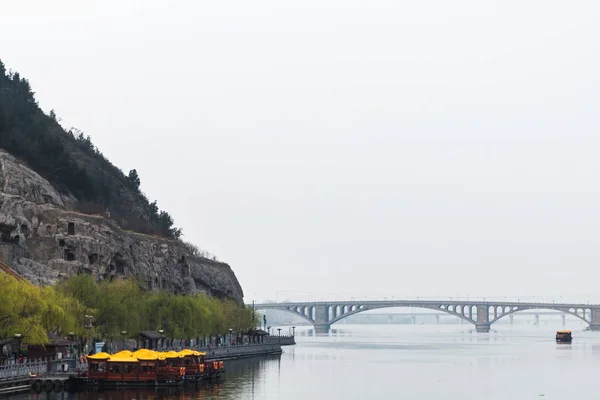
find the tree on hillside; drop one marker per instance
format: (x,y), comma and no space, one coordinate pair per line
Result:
(166,222)
(134,179)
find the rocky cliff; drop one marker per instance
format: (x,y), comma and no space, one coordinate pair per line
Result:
(45,240)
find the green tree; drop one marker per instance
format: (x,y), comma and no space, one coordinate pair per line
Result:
(21,308)
(134,179)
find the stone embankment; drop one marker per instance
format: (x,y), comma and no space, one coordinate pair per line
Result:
(271,345)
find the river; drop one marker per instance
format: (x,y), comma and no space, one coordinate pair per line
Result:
(404,362)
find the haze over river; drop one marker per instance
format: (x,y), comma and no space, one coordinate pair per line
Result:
(406,362)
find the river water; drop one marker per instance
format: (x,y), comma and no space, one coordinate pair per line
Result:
(404,362)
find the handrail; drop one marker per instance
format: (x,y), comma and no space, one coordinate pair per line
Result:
(17,370)
(8,270)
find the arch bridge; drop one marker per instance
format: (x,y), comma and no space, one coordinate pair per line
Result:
(482,314)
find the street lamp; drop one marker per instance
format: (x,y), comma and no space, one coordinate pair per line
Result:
(293,331)
(88,323)
(18,338)
(123,339)
(230,336)
(162,339)
(279,329)
(72,339)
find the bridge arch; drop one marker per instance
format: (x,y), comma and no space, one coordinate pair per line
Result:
(300,311)
(584,314)
(461,313)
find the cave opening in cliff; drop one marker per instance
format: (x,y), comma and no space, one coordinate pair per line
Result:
(4,234)
(69,255)
(24,229)
(71,228)
(61,242)
(93,258)
(120,263)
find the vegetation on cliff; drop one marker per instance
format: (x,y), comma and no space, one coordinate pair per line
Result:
(72,163)
(33,311)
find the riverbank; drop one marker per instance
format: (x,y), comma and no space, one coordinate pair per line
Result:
(52,375)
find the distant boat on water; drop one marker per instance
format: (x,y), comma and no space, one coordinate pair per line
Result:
(563,336)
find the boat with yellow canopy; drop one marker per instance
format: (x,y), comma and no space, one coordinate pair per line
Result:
(564,336)
(145,367)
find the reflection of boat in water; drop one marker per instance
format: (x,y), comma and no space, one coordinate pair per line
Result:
(563,336)
(147,368)
(172,392)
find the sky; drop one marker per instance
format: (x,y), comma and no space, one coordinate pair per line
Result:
(335,149)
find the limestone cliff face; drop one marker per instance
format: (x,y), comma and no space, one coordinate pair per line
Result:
(46,241)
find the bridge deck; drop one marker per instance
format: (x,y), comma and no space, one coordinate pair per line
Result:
(480,313)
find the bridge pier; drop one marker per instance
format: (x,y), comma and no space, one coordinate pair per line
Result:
(595,327)
(322,324)
(483,319)
(595,319)
(321,328)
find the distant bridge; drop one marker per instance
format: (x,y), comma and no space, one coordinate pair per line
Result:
(482,314)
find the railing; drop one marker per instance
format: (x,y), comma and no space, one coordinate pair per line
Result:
(241,350)
(12,371)
(8,270)
(399,302)
(283,340)
(235,350)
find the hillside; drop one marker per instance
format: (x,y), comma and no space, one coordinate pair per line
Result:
(72,164)
(65,210)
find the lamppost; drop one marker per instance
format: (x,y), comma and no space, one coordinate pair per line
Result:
(72,339)
(279,329)
(162,339)
(293,331)
(230,336)
(88,323)
(123,339)
(18,338)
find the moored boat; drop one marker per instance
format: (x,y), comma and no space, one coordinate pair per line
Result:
(563,336)
(146,368)
(196,365)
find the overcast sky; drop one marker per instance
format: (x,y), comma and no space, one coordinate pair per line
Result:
(360,148)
